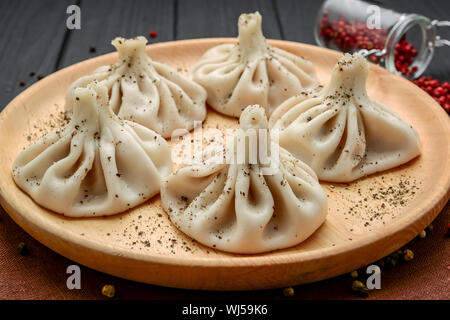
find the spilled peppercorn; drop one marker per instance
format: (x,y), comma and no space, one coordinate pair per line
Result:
(360,288)
(109,290)
(153,34)
(22,248)
(288,292)
(440,91)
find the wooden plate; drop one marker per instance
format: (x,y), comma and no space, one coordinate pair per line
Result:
(367,219)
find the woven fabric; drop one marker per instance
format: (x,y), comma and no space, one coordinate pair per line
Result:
(42,274)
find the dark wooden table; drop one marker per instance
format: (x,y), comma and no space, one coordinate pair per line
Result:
(35,39)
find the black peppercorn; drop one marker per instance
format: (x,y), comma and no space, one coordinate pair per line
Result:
(360,288)
(391,262)
(23,249)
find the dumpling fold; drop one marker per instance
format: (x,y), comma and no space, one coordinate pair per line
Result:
(251,72)
(340,131)
(97,164)
(147,92)
(247,204)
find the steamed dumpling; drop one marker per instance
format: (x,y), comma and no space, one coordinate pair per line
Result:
(251,72)
(147,92)
(97,165)
(247,206)
(341,132)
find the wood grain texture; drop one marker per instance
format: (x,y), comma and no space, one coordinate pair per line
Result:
(35,31)
(32,34)
(139,244)
(103,20)
(218,18)
(298,18)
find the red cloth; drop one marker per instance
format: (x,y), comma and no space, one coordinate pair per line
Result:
(42,274)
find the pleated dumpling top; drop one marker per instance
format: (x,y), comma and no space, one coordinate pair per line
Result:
(147,92)
(247,206)
(97,165)
(251,72)
(340,131)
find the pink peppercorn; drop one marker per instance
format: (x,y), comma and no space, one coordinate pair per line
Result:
(153,34)
(439,91)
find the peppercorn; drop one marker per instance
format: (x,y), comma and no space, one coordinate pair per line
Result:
(288,292)
(32,74)
(23,249)
(391,262)
(430,228)
(109,290)
(22,83)
(396,255)
(408,255)
(439,91)
(153,34)
(354,274)
(360,288)
(422,234)
(40,77)
(349,35)
(92,49)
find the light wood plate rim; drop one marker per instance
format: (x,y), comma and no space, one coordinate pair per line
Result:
(31,223)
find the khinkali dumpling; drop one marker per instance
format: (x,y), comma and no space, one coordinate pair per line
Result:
(341,132)
(96,165)
(251,72)
(240,207)
(147,92)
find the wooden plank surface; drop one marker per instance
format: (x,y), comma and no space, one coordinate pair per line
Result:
(38,41)
(103,20)
(297,19)
(218,18)
(32,34)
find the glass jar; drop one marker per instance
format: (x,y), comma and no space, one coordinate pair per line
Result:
(403,43)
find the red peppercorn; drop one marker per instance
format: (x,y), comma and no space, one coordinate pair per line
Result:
(153,34)
(438,92)
(374,59)
(349,35)
(21,83)
(434,88)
